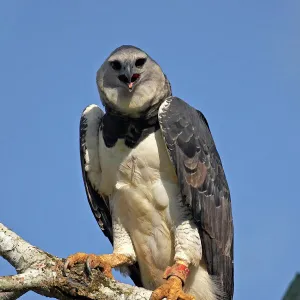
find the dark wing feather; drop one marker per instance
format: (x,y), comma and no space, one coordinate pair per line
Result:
(99,203)
(203,184)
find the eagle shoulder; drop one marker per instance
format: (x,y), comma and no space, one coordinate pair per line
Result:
(90,123)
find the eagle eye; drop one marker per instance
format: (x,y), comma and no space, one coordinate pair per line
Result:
(116,65)
(140,62)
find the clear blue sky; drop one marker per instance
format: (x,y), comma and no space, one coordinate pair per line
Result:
(236,61)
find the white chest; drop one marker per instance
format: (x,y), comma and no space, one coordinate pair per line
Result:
(145,164)
(141,184)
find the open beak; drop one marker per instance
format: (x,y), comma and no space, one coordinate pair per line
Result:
(129,79)
(133,80)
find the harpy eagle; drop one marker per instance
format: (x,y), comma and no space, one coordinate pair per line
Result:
(156,185)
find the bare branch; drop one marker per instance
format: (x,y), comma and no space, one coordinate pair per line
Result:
(43,273)
(30,280)
(18,252)
(11,295)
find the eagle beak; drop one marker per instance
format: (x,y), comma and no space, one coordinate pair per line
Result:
(128,75)
(129,79)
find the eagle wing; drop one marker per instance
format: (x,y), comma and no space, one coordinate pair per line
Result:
(90,128)
(202,183)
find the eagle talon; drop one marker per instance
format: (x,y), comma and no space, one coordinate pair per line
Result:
(74,259)
(172,290)
(88,266)
(106,262)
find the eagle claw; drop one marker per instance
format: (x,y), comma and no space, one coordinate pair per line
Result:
(74,259)
(172,290)
(106,262)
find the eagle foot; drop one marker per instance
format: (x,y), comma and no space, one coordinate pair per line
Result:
(172,290)
(106,262)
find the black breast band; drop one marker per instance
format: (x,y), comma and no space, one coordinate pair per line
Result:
(132,130)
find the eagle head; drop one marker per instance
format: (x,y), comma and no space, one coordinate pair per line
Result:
(130,82)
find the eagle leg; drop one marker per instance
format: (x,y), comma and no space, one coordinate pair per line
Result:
(172,290)
(106,262)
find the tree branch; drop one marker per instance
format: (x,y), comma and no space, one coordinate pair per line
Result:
(42,273)
(29,280)
(11,295)
(20,254)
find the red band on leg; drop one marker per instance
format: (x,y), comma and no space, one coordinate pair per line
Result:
(179,270)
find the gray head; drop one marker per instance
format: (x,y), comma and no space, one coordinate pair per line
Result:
(131,82)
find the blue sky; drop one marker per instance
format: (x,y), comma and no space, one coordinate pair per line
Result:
(236,61)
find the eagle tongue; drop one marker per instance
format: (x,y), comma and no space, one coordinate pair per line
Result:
(130,84)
